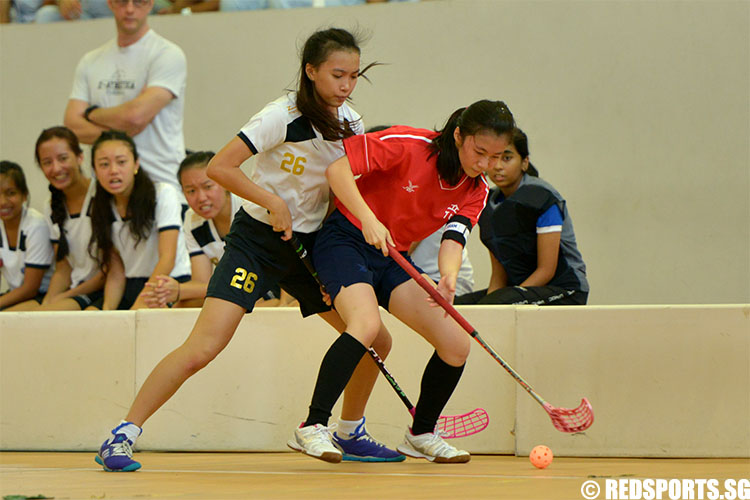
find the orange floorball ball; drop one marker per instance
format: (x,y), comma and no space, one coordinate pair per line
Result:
(541,457)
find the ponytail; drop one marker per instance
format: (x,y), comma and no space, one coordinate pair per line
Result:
(57,203)
(59,215)
(315,52)
(491,116)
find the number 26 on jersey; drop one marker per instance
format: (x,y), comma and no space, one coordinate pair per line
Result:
(293,165)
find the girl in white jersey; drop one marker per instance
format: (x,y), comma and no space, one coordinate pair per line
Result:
(25,249)
(135,223)
(207,223)
(77,280)
(295,138)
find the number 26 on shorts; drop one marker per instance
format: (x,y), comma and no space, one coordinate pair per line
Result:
(292,164)
(244,280)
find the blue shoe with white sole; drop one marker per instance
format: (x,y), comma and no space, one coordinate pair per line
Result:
(362,447)
(116,455)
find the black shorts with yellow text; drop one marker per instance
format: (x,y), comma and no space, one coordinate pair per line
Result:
(256,259)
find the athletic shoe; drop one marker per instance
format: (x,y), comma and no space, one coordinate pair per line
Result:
(315,441)
(361,447)
(115,455)
(432,447)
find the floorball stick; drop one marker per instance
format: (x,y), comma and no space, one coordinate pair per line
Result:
(564,419)
(450,426)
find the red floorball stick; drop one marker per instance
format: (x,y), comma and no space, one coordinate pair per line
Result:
(449,426)
(564,419)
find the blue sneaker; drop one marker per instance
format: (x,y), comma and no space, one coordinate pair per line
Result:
(115,455)
(361,447)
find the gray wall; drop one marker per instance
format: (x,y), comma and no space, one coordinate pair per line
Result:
(638,112)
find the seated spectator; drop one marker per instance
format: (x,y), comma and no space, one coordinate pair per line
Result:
(19,11)
(77,281)
(25,248)
(190,6)
(71,10)
(529,234)
(235,5)
(136,224)
(207,222)
(292,4)
(425,255)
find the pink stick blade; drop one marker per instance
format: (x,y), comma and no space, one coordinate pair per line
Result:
(571,420)
(456,426)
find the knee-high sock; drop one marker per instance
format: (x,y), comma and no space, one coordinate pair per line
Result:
(438,382)
(335,371)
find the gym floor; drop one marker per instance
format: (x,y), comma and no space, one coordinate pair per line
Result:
(218,476)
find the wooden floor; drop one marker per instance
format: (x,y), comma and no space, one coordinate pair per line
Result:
(218,476)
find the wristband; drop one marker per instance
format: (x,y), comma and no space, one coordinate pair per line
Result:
(88,112)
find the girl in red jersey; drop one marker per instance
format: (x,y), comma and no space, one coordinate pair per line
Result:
(411,182)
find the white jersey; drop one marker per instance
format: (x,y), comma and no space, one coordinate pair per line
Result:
(292,158)
(78,235)
(426,257)
(140,260)
(111,75)
(32,248)
(201,236)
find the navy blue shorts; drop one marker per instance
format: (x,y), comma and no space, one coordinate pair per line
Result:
(86,299)
(342,258)
(133,288)
(256,260)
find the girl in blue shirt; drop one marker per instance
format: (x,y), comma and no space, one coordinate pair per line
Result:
(529,234)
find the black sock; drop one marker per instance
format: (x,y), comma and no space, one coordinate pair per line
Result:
(335,371)
(438,382)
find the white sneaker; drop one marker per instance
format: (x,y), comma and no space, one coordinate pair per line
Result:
(315,441)
(432,447)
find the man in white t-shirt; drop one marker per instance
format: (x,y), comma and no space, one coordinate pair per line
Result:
(134,83)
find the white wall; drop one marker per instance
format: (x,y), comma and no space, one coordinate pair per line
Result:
(664,381)
(638,112)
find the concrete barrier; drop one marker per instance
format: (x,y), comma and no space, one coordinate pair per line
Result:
(664,380)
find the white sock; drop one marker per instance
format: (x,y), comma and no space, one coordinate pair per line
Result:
(347,428)
(131,430)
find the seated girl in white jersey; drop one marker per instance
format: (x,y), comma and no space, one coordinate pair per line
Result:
(136,224)
(411,182)
(295,138)
(529,234)
(77,281)
(207,223)
(25,248)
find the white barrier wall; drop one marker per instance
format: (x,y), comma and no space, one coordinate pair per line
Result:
(61,375)
(664,381)
(259,388)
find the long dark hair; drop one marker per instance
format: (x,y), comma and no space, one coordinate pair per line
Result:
(521,143)
(493,116)
(141,209)
(315,52)
(57,200)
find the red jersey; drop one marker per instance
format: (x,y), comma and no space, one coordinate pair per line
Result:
(400,183)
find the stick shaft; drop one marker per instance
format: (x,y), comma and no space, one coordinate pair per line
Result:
(305,258)
(448,307)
